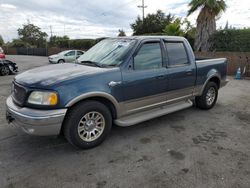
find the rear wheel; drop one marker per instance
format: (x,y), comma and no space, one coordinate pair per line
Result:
(87,124)
(209,97)
(4,70)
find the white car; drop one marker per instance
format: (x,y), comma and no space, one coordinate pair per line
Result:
(66,56)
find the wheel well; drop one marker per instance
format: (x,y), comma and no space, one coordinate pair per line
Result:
(215,80)
(61,60)
(104,101)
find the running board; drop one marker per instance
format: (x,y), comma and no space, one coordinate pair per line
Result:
(153,113)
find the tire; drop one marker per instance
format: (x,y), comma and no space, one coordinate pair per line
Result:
(208,98)
(4,70)
(11,68)
(83,122)
(61,61)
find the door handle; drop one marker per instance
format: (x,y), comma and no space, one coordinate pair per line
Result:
(189,72)
(113,83)
(160,77)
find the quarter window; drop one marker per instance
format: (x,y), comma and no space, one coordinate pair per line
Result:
(148,57)
(177,54)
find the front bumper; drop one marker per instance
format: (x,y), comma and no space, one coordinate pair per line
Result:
(33,121)
(53,61)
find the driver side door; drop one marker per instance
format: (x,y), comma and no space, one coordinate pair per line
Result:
(144,85)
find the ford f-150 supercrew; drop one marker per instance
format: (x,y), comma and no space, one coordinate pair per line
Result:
(122,81)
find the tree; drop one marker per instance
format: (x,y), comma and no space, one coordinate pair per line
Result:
(181,27)
(1,40)
(206,21)
(153,23)
(17,43)
(121,33)
(174,29)
(189,31)
(58,41)
(32,35)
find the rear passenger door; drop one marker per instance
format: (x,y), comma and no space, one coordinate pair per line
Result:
(144,85)
(181,71)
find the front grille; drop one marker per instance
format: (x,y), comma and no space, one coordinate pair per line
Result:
(18,94)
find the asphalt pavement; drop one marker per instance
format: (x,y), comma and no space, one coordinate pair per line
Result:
(191,148)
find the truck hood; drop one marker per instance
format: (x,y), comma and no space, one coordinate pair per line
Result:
(52,74)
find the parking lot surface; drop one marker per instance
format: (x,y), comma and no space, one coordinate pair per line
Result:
(190,148)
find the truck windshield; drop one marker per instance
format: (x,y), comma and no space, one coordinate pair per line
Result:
(108,52)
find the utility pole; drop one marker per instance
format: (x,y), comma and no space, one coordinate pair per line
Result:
(142,7)
(50,31)
(64,29)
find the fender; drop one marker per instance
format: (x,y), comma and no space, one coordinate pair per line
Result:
(95,94)
(211,74)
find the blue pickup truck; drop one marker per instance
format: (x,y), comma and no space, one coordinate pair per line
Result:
(122,81)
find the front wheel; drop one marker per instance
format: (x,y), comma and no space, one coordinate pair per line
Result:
(209,97)
(87,124)
(61,61)
(4,70)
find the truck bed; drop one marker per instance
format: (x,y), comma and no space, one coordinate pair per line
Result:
(207,66)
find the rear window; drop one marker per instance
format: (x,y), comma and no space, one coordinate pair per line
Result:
(177,54)
(79,52)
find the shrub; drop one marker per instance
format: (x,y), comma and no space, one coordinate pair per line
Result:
(237,40)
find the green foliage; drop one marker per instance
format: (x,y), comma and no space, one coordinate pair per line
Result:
(18,43)
(160,24)
(181,28)
(174,29)
(32,35)
(206,20)
(121,33)
(82,43)
(58,41)
(153,23)
(237,40)
(189,31)
(216,6)
(1,40)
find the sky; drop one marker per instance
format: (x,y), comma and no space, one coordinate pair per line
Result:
(98,18)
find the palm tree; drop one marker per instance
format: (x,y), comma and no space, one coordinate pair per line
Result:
(206,21)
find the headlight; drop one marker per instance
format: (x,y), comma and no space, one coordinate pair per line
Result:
(43,98)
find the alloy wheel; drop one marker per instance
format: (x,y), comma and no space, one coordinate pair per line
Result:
(91,126)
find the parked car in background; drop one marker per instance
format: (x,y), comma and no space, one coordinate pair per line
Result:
(67,56)
(7,67)
(2,55)
(120,80)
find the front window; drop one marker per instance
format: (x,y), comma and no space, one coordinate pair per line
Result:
(148,57)
(71,53)
(108,52)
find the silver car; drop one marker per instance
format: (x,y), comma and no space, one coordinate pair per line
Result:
(66,56)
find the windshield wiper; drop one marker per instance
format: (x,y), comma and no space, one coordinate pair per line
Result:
(91,63)
(110,65)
